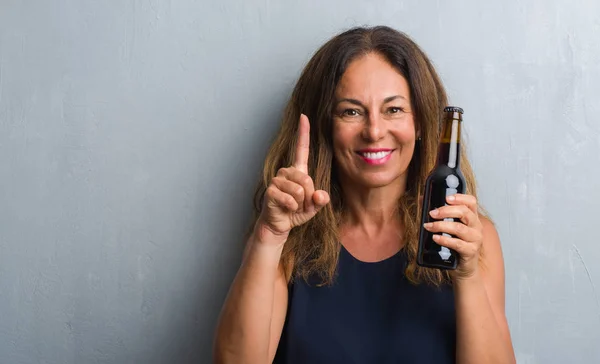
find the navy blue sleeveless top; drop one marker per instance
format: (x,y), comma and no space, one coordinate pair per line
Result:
(371,314)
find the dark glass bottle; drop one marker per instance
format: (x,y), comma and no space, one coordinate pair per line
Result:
(444,180)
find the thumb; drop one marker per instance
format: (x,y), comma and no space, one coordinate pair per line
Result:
(320,198)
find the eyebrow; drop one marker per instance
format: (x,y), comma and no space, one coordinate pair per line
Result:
(385,101)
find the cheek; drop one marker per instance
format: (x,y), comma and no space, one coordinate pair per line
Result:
(339,142)
(405,132)
(343,139)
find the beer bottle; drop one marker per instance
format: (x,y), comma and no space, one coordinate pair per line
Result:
(444,180)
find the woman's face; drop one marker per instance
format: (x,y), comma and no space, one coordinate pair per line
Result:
(373,124)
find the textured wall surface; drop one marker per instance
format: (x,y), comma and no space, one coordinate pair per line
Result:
(132,132)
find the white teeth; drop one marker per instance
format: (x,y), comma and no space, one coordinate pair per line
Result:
(377,155)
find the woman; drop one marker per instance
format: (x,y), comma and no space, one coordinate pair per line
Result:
(329,272)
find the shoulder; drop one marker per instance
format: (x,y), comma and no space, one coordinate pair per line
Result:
(491,248)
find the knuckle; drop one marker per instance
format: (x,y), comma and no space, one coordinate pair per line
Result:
(290,202)
(306,180)
(464,211)
(458,244)
(453,243)
(271,191)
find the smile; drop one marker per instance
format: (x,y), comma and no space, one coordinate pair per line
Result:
(375,157)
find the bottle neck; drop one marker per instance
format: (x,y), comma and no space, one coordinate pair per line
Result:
(449,148)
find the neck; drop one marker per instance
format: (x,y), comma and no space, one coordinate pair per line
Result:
(372,209)
(449,148)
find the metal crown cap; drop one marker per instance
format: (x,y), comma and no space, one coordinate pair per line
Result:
(453,109)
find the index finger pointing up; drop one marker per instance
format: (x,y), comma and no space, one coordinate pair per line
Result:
(303,144)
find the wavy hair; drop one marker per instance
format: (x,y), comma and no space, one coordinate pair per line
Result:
(313,248)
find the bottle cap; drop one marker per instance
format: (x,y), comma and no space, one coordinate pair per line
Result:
(453,109)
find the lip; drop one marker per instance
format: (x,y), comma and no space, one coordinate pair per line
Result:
(374,150)
(378,161)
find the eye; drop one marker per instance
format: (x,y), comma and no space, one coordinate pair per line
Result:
(395,110)
(350,112)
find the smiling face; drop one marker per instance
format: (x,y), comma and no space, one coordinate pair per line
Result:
(373,126)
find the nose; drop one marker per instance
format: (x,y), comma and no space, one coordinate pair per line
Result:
(375,127)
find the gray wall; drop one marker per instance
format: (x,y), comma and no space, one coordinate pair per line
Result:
(131,134)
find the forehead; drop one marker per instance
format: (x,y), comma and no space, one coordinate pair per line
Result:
(372,76)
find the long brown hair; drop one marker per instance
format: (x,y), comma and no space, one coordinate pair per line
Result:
(313,248)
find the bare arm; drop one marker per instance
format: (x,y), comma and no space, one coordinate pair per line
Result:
(482,330)
(254,312)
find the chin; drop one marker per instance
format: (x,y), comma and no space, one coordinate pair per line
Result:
(378,181)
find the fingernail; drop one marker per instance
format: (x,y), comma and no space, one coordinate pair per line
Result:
(436,237)
(427,225)
(434,212)
(451,198)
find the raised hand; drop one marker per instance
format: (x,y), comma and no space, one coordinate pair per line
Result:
(290,199)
